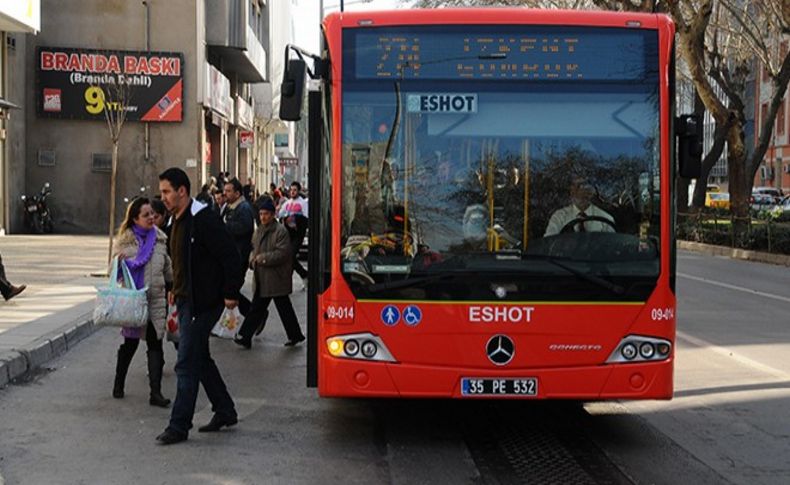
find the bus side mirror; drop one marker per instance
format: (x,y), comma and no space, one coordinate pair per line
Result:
(292,90)
(688,129)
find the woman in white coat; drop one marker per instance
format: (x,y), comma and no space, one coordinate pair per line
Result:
(144,248)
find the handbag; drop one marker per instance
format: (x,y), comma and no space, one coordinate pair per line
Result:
(121,306)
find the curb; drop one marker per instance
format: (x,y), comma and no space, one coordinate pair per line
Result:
(19,363)
(734,253)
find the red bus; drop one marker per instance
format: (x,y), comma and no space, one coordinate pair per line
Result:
(491,196)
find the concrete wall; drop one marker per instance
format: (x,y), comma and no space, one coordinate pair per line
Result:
(80,197)
(16,155)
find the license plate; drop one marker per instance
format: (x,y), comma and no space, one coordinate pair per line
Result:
(524,386)
(32,208)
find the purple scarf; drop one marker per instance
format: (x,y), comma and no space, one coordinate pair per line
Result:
(146,241)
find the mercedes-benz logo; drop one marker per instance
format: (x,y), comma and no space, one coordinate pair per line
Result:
(500,349)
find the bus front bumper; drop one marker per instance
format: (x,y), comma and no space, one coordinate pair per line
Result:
(354,378)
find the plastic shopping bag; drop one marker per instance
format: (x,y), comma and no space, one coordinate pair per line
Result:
(228,324)
(173,334)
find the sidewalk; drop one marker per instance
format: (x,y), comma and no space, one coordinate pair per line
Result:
(735,253)
(54,312)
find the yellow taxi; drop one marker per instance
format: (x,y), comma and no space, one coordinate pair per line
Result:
(717,200)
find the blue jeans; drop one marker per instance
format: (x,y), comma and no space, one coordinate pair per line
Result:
(195,366)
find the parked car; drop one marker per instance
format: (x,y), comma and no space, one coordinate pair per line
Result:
(717,200)
(772,191)
(782,209)
(759,202)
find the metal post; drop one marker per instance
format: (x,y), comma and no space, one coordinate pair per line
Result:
(147,141)
(316,277)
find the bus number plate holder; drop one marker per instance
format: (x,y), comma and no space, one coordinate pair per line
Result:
(491,386)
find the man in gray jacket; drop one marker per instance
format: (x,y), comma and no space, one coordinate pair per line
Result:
(271,262)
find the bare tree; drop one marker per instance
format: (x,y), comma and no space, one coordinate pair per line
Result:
(114,99)
(723,42)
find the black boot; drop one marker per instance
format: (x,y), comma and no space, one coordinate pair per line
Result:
(156,362)
(125,354)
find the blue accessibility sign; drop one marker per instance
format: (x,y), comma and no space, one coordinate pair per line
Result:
(390,315)
(412,315)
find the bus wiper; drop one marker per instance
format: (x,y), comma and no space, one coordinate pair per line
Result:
(604,283)
(495,55)
(408,282)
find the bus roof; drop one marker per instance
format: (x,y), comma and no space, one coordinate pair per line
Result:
(465,16)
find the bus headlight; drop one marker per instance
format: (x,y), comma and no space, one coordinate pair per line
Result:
(369,349)
(663,349)
(639,348)
(628,351)
(646,350)
(349,347)
(335,346)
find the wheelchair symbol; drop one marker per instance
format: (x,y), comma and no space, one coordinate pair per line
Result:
(412,315)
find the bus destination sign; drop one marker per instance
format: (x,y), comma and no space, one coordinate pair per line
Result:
(528,53)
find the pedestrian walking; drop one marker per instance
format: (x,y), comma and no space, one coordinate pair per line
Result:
(240,220)
(271,264)
(6,288)
(220,202)
(163,221)
(161,217)
(144,248)
(293,213)
(249,189)
(275,194)
(205,281)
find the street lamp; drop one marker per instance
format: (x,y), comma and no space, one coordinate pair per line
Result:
(342,5)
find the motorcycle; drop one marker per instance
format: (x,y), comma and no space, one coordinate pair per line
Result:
(130,198)
(38,217)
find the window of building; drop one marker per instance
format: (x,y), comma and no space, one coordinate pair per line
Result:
(763,115)
(46,158)
(101,162)
(256,18)
(281,140)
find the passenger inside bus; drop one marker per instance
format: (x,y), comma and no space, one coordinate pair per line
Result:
(581,215)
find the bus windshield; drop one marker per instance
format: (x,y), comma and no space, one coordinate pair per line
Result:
(522,163)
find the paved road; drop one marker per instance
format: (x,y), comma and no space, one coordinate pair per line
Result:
(728,423)
(731,409)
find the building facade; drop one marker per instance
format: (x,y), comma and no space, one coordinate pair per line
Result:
(774,170)
(17,18)
(193,66)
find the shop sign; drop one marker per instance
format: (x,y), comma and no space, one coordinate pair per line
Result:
(246,139)
(217,95)
(244,116)
(84,83)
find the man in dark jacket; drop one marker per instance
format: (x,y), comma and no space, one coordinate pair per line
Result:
(271,262)
(205,281)
(240,221)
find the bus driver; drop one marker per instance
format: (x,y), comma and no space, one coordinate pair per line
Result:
(580,209)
